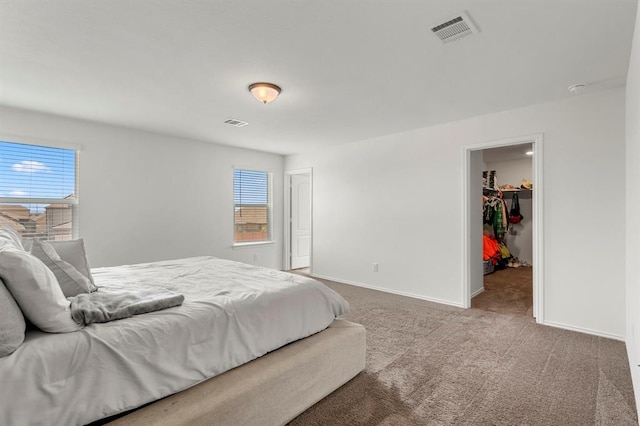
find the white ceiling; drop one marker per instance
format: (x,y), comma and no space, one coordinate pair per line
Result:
(507,153)
(349,70)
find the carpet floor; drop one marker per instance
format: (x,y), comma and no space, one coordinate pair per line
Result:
(508,291)
(431,364)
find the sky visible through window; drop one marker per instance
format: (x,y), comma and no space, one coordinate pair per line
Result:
(250,187)
(30,171)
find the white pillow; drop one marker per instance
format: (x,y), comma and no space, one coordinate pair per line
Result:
(9,236)
(36,290)
(70,280)
(73,252)
(12,325)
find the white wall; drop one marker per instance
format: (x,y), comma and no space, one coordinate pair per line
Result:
(397,200)
(633,211)
(147,197)
(519,239)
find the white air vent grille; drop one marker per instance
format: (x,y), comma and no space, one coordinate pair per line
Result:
(455,28)
(235,123)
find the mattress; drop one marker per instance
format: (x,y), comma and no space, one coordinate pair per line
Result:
(232,314)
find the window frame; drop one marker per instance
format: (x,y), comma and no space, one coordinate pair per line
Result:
(268,205)
(74,203)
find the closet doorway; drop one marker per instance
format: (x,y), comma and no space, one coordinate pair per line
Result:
(503,261)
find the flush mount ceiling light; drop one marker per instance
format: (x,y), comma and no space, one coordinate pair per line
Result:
(264,92)
(577,88)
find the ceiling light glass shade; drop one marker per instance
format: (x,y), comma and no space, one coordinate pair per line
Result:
(577,88)
(264,92)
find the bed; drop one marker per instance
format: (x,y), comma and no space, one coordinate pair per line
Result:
(248,345)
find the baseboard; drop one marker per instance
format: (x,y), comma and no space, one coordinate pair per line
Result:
(583,330)
(459,305)
(477,292)
(386,290)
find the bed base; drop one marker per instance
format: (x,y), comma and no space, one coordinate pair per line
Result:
(271,390)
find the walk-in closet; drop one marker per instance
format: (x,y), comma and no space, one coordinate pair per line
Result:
(507,234)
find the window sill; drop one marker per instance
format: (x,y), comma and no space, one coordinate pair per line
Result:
(252,244)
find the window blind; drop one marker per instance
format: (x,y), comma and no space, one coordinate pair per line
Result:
(252,193)
(38,196)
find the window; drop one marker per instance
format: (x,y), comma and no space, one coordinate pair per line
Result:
(252,206)
(38,191)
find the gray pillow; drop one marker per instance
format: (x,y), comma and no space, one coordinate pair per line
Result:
(73,252)
(12,324)
(36,290)
(70,280)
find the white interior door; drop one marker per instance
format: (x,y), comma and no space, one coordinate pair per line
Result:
(300,220)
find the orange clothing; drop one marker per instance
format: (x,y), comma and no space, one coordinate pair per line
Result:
(490,250)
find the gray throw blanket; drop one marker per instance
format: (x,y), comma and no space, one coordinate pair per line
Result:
(87,308)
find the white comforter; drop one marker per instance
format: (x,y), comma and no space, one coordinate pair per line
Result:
(232,313)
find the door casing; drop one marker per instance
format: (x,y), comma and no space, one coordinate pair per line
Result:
(473,252)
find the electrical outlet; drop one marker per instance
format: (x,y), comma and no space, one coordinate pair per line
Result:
(375,267)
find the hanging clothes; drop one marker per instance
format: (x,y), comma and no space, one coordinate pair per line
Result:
(495,214)
(498,223)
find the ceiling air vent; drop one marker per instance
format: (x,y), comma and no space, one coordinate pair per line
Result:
(455,28)
(235,123)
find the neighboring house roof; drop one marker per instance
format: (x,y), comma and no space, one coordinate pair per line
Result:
(62,206)
(15,211)
(40,217)
(66,225)
(13,223)
(251,215)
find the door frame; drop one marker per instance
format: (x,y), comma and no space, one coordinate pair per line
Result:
(470,254)
(287,216)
